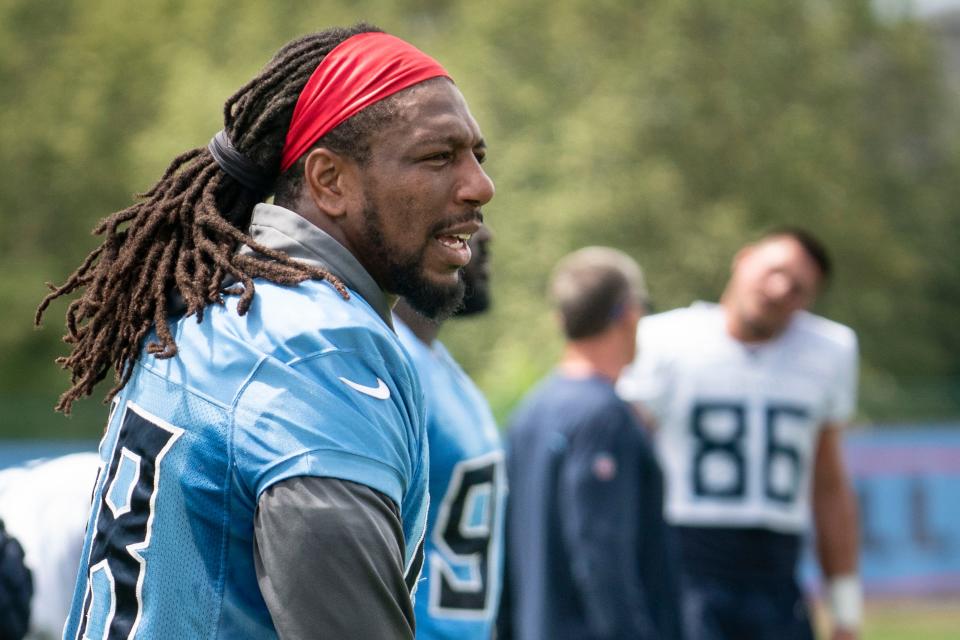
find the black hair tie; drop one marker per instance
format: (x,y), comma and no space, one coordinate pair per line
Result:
(238,166)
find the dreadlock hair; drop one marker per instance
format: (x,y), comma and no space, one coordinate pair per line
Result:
(180,238)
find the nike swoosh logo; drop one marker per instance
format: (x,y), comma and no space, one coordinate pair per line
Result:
(380,392)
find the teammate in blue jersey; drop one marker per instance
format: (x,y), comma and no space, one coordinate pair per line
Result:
(750,397)
(458,596)
(588,554)
(264,465)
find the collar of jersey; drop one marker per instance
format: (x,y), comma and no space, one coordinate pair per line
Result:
(284,230)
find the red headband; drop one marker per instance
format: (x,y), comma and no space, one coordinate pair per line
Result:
(358,72)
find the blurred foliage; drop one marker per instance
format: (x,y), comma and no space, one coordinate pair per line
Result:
(676,131)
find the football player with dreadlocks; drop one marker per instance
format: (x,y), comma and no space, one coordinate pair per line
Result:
(265,461)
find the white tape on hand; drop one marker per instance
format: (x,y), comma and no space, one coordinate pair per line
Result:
(845,595)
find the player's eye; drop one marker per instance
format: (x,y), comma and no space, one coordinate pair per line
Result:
(439,157)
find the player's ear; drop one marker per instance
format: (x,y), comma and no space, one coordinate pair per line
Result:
(558,321)
(331,180)
(740,256)
(630,320)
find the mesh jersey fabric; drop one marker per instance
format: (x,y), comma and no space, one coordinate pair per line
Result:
(306,384)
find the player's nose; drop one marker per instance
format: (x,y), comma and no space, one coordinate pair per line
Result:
(476,188)
(779,287)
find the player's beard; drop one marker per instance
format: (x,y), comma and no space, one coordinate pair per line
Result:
(476,297)
(757,326)
(403,275)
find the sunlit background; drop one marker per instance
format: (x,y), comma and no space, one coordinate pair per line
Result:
(675,130)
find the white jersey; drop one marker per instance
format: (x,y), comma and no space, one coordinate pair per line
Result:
(45,504)
(738,423)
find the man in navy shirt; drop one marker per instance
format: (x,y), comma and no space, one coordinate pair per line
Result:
(587,549)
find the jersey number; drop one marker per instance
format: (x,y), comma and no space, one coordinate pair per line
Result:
(465,536)
(112,603)
(729,449)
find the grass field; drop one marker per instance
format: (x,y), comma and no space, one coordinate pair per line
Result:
(933,619)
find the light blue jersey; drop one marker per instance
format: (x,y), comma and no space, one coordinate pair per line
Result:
(460,591)
(305,384)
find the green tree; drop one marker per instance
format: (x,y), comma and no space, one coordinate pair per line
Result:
(674,130)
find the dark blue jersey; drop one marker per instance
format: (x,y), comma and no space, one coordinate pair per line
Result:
(588,551)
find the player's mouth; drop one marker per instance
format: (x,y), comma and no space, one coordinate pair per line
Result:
(453,243)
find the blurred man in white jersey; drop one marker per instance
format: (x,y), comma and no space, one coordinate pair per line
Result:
(750,397)
(45,504)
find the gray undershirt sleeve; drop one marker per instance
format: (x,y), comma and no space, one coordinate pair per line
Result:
(329,561)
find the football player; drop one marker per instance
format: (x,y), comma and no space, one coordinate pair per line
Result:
(265,466)
(458,596)
(750,397)
(45,504)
